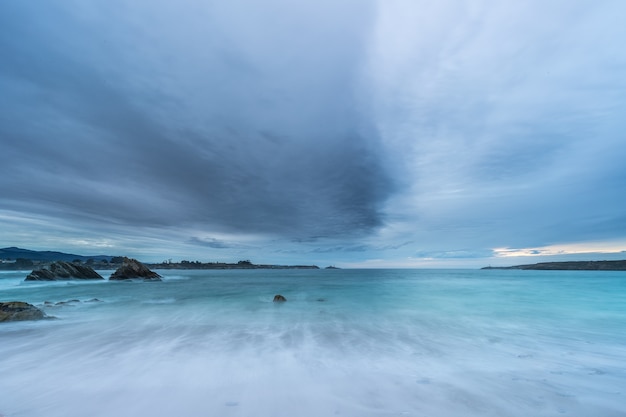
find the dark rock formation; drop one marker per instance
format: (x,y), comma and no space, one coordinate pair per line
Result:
(18,310)
(279,298)
(61,303)
(132,269)
(69,303)
(63,270)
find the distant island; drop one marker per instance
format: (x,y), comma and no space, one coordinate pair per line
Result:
(24,259)
(13,254)
(569,266)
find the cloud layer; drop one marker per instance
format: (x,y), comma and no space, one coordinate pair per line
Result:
(335,131)
(511,117)
(228,117)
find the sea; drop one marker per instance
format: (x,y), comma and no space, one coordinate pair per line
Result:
(347,342)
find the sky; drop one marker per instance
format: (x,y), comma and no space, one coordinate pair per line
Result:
(355,133)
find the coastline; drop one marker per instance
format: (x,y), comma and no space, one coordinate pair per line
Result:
(569,266)
(18,259)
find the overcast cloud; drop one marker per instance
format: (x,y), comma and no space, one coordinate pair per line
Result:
(355,132)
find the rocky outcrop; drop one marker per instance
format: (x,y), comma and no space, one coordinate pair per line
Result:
(279,298)
(133,269)
(19,310)
(61,271)
(570,266)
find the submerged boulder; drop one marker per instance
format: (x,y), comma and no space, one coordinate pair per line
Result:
(61,271)
(279,298)
(132,269)
(19,310)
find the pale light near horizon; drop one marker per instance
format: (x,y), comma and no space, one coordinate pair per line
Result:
(562,249)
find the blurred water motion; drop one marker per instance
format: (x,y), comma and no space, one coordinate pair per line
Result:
(347,342)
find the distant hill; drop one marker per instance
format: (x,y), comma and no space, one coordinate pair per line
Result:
(29,258)
(47,256)
(570,266)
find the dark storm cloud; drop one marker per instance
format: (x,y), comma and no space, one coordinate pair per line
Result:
(208,116)
(347,247)
(216,243)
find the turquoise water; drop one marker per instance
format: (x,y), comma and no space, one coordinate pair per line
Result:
(429,343)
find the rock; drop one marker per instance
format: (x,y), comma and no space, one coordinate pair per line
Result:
(61,303)
(61,271)
(19,310)
(131,269)
(279,298)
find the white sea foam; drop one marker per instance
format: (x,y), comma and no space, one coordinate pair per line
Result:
(381,343)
